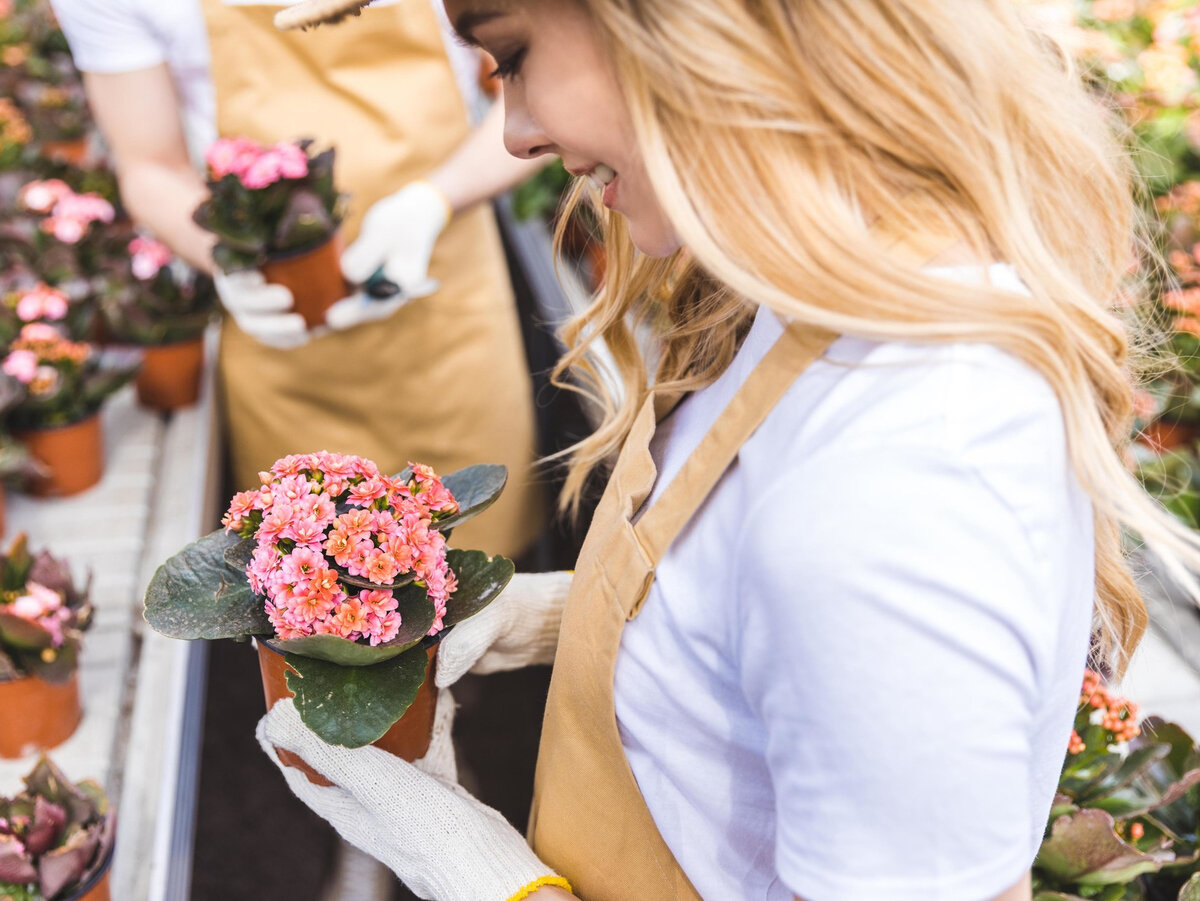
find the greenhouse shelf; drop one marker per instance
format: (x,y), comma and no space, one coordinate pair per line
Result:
(142,693)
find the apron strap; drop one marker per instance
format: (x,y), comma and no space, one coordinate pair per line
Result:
(795,350)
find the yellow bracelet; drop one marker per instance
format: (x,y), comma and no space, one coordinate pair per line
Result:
(540,883)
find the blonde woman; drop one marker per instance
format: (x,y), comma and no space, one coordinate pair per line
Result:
(826,636)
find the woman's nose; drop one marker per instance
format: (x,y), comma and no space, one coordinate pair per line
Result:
(522,135)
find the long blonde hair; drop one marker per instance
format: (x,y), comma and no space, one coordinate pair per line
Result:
(770,128)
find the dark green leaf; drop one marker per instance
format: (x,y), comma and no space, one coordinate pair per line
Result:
(359,582)
(19,633)
(1191,889)
(475,488)
(239,555)
(353,706)
(1084,848)
(480,580)
(196,595)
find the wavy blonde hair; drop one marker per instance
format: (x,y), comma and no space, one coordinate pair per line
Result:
(773,130)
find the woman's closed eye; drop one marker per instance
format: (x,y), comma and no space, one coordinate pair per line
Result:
(509,66)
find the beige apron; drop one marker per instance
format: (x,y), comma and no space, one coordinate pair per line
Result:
(443,381)
(589,820)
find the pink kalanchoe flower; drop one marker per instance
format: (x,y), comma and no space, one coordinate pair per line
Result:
(147,257)
(292,488)
(382,629)
(41,196)
(360,557)
(232,156)
(293,161)
(42,302)
(278,518)
(301,565)
(379,602)
(368,491)
(339,546)
(22,365)
(353,615)
(381,567)
(39,331)
(262,173)
(243,504)
(68,231)
(357,524)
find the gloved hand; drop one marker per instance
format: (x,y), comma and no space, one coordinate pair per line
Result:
(398,234)
(519,628)
(263,311)
(441,842)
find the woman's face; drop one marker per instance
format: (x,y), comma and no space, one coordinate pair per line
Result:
(561,97)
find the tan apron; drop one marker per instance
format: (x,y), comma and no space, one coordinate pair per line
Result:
(443,381)
(589,820)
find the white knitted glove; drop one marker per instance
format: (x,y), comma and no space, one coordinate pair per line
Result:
(519,628)
(263,311)
(441,842)
(398,234)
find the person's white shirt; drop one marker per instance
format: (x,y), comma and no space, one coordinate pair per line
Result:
(115,36)
(856,673)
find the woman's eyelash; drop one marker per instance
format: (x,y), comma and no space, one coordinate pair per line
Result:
(509,66)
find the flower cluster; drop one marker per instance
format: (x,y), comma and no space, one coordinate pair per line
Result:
(70,215)
(14,128)
(1100,707)
(34,356)
(147,257)
(41,303)
(256,165)
(44,608)
(321,517)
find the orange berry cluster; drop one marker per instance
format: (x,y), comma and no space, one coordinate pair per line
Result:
(1120,714)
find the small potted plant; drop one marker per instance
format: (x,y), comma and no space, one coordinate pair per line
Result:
(276,209)
(343,576)
(56,839)
(42,619)
(151,299)
(66,384)
(17,465)
(1124,825)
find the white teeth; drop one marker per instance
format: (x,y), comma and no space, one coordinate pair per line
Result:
(601,176)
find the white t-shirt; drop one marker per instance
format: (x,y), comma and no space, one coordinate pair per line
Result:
(856,673)
(109,36)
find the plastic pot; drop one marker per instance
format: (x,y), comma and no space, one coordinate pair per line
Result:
(408,739)
(170,375)
(73,457)
(37,715)
(313,276)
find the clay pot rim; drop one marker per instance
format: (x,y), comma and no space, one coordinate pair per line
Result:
(95,414)
(100,873)
(283,256)
(29,676)
(195,339)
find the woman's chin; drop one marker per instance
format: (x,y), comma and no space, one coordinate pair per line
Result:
(654,242)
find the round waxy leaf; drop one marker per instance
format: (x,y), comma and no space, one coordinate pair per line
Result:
(416,615)
(475,488)
(17,632)
(353,706)
(239,555)
(195,594)
(480,580)
(358,582)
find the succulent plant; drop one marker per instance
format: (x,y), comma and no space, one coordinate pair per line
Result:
(1125,825)
(55,836)
(43,615)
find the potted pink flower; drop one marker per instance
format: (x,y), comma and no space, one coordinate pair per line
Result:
(58,419)
(152,299)
(43,616)
(344,577)
(276,208)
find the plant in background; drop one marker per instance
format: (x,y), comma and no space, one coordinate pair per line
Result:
(66,381)
(1124,823)
(42,303)
(541,196)
(346,572)
(56,836)
(149,297)
(43,615)
(268,202)
(15,134)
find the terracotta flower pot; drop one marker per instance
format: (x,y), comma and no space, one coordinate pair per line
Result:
(170,375)
(313,276)
(74,152)
(408,739)
(37,715)
(73,456)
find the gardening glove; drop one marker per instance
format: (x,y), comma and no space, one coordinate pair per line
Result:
(390,259)
(519,628)
(415,818)
(263,311)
